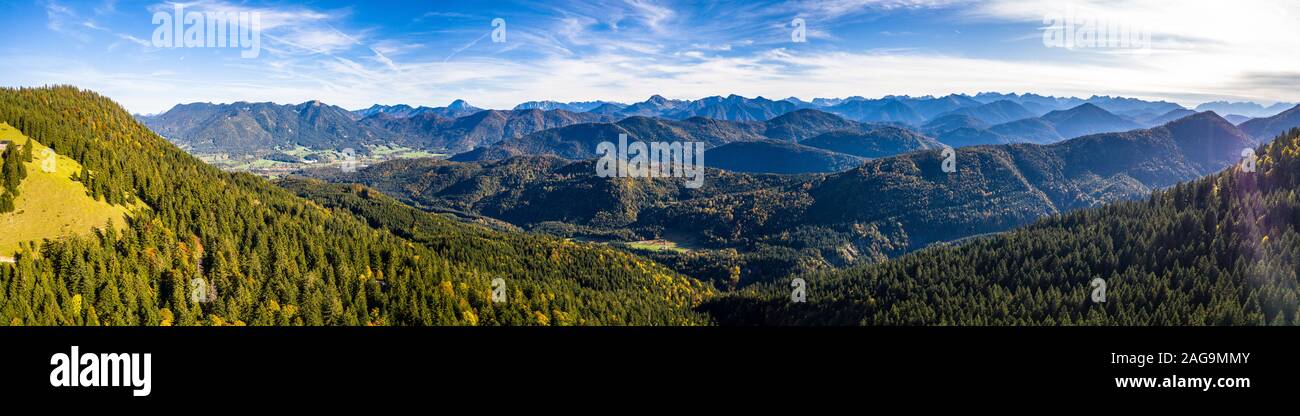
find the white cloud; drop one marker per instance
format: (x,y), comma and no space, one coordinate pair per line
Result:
(834,9)
(1205,51)
(272,17)
(1211,48)
(302,29)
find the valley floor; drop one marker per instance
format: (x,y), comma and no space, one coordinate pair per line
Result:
(292,160)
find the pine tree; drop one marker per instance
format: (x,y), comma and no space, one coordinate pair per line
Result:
(11,170)
(6,203)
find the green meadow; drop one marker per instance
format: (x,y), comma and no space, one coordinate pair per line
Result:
(51,204)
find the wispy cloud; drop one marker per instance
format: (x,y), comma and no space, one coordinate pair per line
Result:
(653,15)
(301,29)
(273,18)
(106,7)
(62,19)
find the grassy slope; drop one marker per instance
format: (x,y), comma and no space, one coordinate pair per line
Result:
(51,204)
(657,245)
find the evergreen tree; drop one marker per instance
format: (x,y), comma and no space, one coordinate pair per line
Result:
(12,170)
(6,203)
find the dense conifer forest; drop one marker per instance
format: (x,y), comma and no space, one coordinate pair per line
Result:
(1222,250)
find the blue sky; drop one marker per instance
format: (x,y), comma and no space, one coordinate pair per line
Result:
(355,54)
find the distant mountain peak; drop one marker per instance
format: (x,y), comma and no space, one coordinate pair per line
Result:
(1202,116)
(1081,111)
(1208,138)
(1204,121)
(658,102)
(459,105)
(1245,108)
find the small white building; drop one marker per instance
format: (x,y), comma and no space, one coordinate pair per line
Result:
(4,144)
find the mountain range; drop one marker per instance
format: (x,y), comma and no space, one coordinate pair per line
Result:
(485,127)
(997,112)
(575,106)
(930,107)
(973,125)
(1246,109)
(1040,104)
(885,207)
(262,129)
(796,142)
(257,128)
(893,108)
(1268,127)
(457,108)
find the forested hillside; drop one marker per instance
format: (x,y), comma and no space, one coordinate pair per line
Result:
(1223,250)
(223,248)
(882,141)
(770,156)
